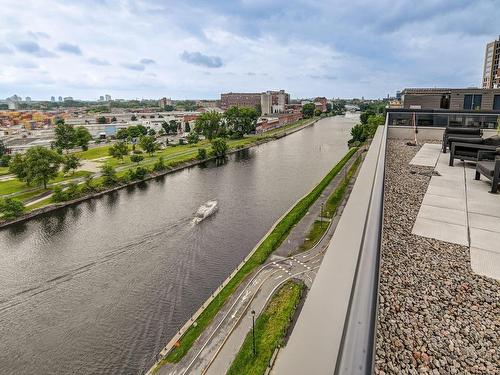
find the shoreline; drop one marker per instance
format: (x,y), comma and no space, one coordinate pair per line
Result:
(153,175)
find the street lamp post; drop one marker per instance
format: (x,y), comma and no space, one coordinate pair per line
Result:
(253,332)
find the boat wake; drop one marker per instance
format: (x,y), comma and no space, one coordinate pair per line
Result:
(206,209)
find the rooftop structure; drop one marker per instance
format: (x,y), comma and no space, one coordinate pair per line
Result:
(239,99)
(453,99)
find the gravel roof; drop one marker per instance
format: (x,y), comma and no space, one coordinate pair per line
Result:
(435,315)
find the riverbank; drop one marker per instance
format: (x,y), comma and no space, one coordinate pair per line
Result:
(181,343)
(45,205)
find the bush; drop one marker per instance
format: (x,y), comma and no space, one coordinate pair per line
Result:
(11,208)
(202,154)
(138,174)
(4,160)
(159,165)
(219,147)
(136,158)
(72,191)
(137,152)
(58,195)
(109,175)
(181,141)
(193,138)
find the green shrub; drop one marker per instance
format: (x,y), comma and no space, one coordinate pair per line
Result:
(11,208)
(159,165)
(58,194)
(202,154)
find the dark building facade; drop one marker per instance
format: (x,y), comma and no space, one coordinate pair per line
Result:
(451,99)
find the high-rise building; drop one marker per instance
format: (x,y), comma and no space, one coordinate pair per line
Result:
(491,73)
(52,98)
(60,98)
(28,99)
(274,102)
(107,97)
(101,98)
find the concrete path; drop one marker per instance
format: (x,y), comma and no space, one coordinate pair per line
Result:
(458,209)
(216,348)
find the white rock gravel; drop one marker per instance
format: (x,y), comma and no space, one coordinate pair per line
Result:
(435,315)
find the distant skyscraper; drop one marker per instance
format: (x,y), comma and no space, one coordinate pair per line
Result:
(491,73)
(28,99)
(101,98)
(52,98)
(60,98)
(107,97)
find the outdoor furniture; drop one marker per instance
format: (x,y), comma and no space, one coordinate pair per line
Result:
(489,168)
(468,150)
(453,132)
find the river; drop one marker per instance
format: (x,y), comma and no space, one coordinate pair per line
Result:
(100,287)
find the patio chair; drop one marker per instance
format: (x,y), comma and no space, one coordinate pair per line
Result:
(454,132)
(467,149)
(488,165)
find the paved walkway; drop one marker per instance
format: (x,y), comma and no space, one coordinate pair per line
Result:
(458,209)
(216,348)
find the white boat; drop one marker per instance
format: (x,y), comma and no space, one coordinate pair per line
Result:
(206,209)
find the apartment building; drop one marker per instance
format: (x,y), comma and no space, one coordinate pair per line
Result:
(274,102)
(239,99)
(491,72)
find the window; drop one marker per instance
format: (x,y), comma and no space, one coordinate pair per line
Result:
(496,102)
(467,101)
(445,102)
(472,101)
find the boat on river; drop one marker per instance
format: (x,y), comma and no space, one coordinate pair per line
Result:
(206,209)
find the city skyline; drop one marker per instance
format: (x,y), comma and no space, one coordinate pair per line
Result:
(194,50)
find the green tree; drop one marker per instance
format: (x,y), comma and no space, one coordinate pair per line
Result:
(187,127)
(219,147)
(113,119)
(109,175)
(122,133)
(3,149)
(40,165)
(58,194)
(193,138)
(202,154)
(136,158)
(82,137)
(241,120)
(161,132)
(142,129)
(17,167)
(209,124)
(151,132)
(102,120)
(365,115)
(308,110)
(133,118)
(11,208)
(119,150)
(148,144)
(65,135)
(70,163)
(317,112)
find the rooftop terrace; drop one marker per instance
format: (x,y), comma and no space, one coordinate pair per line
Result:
(410,281)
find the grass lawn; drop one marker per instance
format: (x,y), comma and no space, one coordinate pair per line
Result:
(94,152)
(270,329)
(334,200)
(42,203)
(4,171)
(315,233)
(270,243)
(13,186)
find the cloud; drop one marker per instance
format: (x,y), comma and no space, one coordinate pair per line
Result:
(5,50)
(33,48)
(38,35)
(69,48)
(197,58)
(146,61)
(133,66)
(96,61)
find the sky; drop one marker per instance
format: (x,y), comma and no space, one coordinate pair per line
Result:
(198,49)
